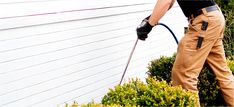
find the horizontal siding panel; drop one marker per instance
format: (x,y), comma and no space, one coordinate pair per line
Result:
(31,19)
(76,50)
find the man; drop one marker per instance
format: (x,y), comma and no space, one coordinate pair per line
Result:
(202,43)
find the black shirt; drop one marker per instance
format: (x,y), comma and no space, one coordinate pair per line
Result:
(190,6)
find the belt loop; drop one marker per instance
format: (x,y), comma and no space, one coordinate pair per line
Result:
(204,11)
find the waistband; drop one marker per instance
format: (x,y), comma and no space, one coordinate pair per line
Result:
(203,10)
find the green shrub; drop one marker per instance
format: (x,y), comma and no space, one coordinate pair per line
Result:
(228,40)
(90,104)
(209,92)
(161,68)
(154,93)
(231,65)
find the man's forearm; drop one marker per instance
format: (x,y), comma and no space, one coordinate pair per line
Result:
(160,9)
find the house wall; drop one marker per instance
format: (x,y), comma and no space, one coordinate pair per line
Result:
(54,52)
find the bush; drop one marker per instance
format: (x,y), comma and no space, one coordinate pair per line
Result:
(231,65)
(90,104)
(228,11)
(154,93)
(161,68)
(124,95)
(209,92)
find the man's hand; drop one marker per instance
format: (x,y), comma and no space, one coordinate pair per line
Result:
(143,29)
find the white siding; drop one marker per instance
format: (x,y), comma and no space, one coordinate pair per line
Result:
(56,51)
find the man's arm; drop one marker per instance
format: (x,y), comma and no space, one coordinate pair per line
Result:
(160,9)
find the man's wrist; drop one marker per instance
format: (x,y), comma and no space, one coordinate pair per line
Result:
(152,23)
(148,25)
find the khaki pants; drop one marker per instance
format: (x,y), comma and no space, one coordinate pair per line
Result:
(190,59)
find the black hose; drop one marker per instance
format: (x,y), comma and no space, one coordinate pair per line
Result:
(170,31)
